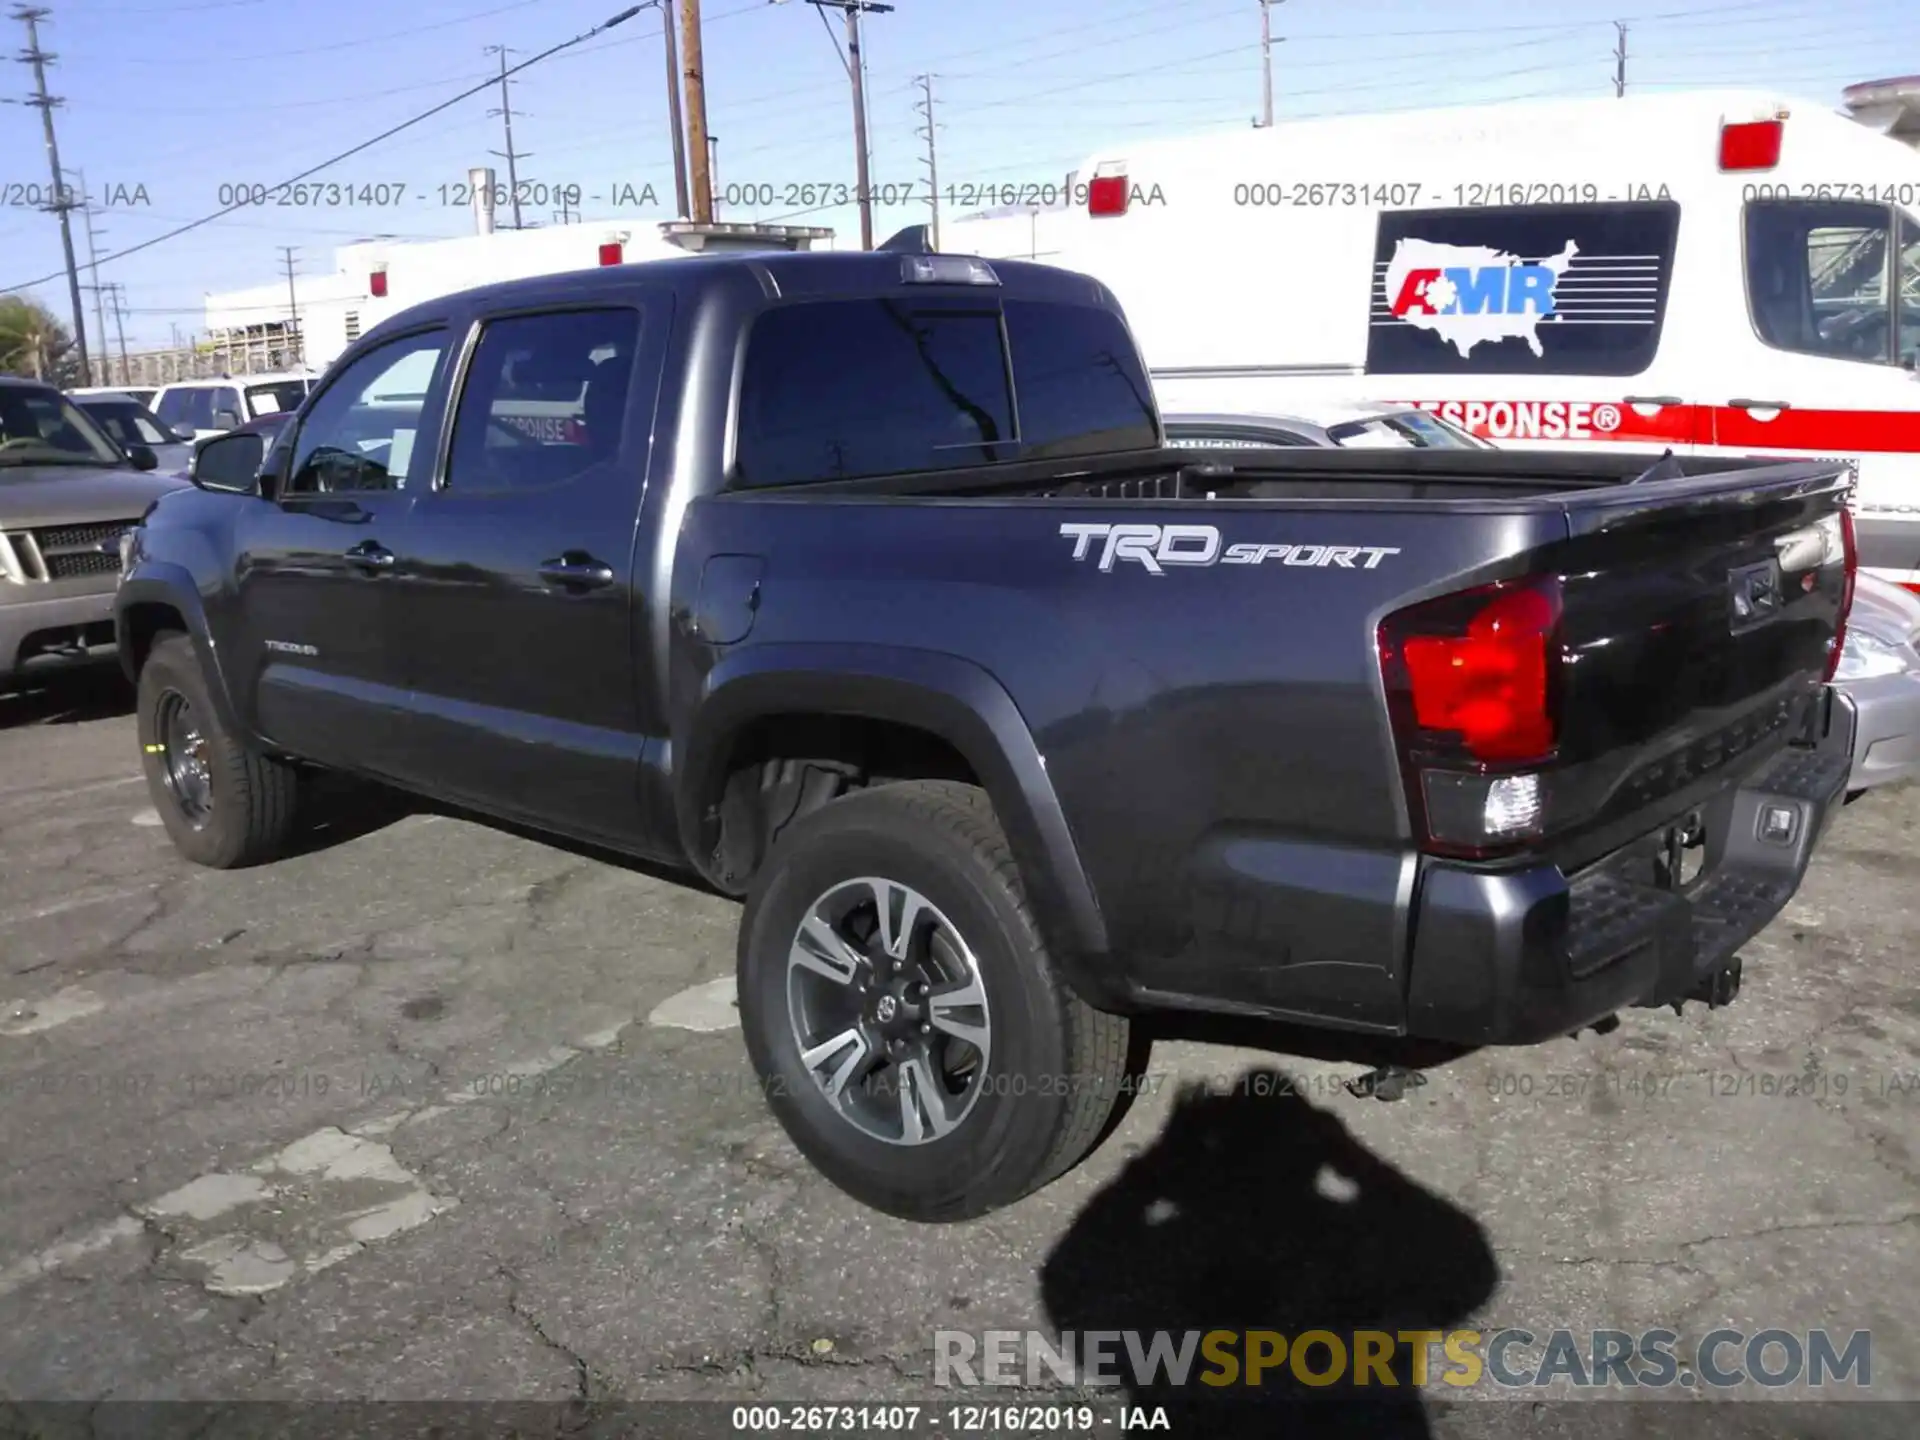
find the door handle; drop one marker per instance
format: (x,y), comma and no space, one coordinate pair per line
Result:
(1758,404)
(575,571)
(1662,400)
(370,555)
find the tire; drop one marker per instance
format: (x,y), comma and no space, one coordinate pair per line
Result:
(223,805)
(1024,1105)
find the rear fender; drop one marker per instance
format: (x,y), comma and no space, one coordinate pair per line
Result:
(943,695)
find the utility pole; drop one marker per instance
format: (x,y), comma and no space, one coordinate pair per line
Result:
(33,55)
(505,112)
(93,276)
(1266,64)
(696,111)
(856,72)
(296,349)
(933,164)
(1620,59)
(120,324)
(673,110)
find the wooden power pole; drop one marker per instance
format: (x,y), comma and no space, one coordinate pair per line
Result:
(697,150)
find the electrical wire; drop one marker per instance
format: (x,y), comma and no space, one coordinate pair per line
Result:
(368,144)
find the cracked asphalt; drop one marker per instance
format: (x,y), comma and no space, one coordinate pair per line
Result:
(389,1120)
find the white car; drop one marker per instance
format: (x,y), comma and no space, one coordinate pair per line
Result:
(1333,424)
(213,407)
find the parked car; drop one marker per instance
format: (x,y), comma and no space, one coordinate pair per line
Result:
(1328,425)
(1005,728)
(128,423)
(142,393)
(1879,665)
(212,407)
(1880,671)
(68,495)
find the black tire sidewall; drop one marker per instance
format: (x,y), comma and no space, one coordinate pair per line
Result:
(172,667)
(1003,1144)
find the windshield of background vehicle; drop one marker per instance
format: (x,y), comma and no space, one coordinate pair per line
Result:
(277,398)
(43,427)
(1412,429)
(126,422)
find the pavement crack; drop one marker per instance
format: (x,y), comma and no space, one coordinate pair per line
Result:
(584,1377)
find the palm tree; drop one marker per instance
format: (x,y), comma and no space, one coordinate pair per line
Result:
(32,342)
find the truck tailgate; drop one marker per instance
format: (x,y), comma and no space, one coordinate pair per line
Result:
(1699,617)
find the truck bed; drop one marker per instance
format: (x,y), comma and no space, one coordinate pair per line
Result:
(1196,473)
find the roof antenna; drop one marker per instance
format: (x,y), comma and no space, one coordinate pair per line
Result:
(1667,467)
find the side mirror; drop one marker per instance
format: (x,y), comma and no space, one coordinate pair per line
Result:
(182,434)
(143,457)
(226,420)
(229,463)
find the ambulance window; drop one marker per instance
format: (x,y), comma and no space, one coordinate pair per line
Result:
(1521,290)
(1817,277)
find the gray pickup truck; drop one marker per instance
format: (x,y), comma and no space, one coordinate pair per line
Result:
(866,587)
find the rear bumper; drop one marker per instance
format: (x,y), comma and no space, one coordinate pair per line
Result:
(1887,747)
(1511,959)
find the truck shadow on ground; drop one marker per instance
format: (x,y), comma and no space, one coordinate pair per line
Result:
(66,699)
(1256,1210)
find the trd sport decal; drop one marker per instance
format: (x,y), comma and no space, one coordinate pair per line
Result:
(1155,546)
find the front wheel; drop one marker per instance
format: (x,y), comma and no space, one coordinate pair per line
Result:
(222,804)
(907,1023)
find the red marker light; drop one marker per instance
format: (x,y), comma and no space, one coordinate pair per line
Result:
(1751,146)
(612,253)
(1107,195)
(377,284)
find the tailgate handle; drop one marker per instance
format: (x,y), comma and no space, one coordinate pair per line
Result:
(1652,400)
(1759,404)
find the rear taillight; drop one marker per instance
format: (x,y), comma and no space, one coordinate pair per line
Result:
(1851,551)
(1473,685)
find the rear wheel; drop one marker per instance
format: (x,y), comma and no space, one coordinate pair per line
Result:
(222,805)
(909,1027)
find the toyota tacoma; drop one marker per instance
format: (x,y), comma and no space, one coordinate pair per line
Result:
(867,588)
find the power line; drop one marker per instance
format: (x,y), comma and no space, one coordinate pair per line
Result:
(61,203)
(348,153)
(358,43)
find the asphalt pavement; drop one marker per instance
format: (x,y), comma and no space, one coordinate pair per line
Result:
(436,1111)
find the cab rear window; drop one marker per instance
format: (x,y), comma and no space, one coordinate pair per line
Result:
(1522,290)
(842,389)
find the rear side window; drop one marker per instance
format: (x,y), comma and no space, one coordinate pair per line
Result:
(1078,378)
(1835,278)
(834,390)
(1521,290)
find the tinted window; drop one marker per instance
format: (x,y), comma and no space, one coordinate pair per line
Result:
(42,427)
(126,422)
(1078,378)
(838,389)
(1537,290)
(1234,437)
(274,398)
(1817,274)
(1408,430)
(191,408)
(226,407)
(1909,292)
(545,399)
(172,408)
(360,433)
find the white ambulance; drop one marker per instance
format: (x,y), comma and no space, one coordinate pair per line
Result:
(1707,271)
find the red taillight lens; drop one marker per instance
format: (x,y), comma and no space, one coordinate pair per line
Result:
(1107,195)
(1752,146)
(1852,551)
(377,284)
(612,253)
(1491,686)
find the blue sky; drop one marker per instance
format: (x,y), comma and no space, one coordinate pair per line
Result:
(183,99)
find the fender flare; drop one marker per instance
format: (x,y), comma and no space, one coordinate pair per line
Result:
(943,694)
(164,583)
